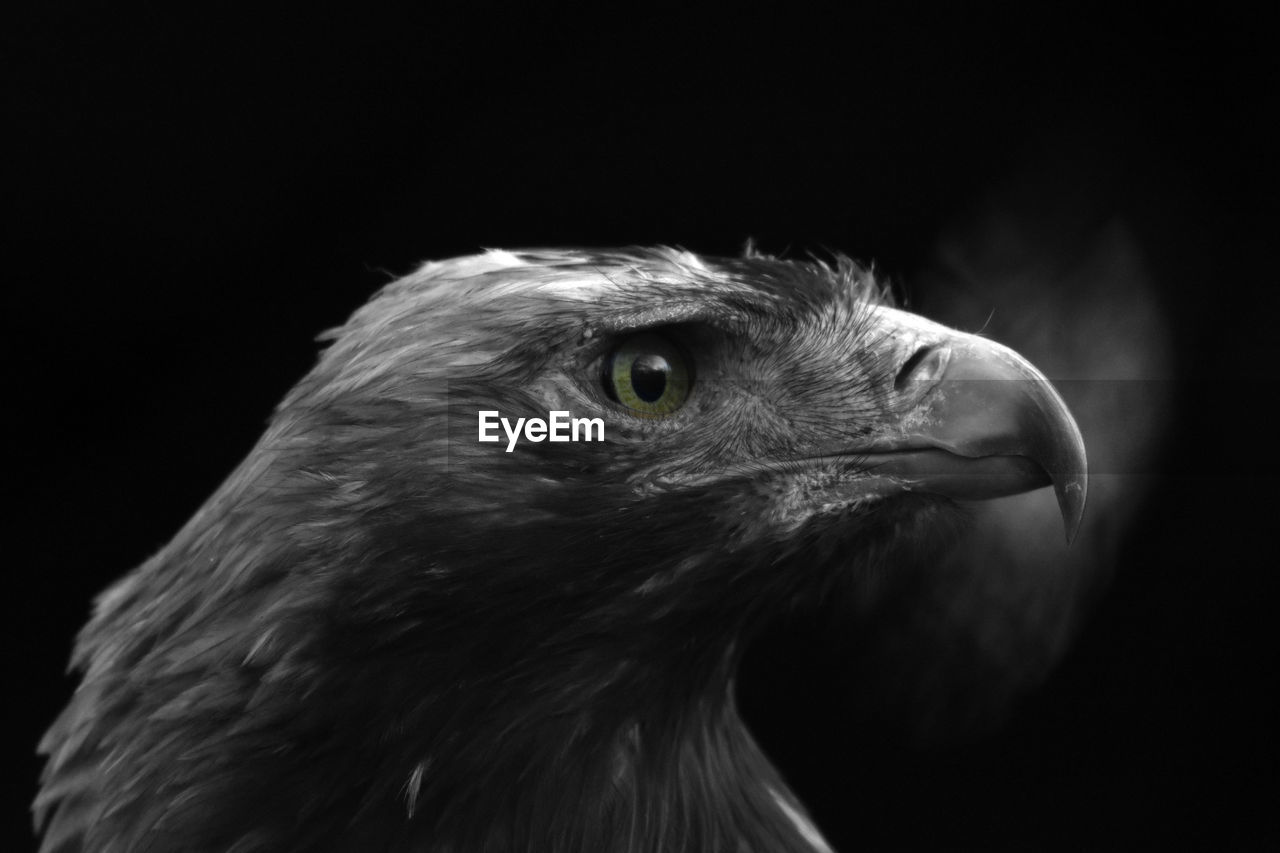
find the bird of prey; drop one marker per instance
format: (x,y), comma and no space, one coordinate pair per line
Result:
(381,633)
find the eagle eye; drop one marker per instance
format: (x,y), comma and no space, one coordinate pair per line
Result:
(648,374)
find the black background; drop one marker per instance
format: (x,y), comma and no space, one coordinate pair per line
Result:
(193,199)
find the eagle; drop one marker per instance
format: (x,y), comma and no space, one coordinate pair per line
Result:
(382,633)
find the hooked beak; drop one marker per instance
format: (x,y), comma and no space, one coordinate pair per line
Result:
(974,421)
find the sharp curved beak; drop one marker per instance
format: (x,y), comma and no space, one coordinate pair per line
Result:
(976,420)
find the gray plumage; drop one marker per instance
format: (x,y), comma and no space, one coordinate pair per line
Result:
(382,634)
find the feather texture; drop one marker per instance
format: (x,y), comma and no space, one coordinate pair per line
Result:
(381,634)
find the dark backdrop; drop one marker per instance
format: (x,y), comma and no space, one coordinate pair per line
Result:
(192,200)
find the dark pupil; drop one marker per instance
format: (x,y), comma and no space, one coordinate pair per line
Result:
(649,376)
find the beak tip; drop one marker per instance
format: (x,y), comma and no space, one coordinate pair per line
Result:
(1071,499)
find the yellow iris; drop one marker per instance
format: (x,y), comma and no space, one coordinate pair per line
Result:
(649,376)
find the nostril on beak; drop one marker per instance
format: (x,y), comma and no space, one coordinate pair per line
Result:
(924,365)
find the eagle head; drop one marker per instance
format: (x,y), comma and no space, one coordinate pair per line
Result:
(382,632)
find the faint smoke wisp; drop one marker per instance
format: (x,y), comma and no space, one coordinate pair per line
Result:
(1065,284)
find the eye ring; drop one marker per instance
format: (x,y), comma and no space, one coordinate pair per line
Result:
(649,375)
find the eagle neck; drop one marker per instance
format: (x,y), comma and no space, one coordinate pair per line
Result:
(637,766)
